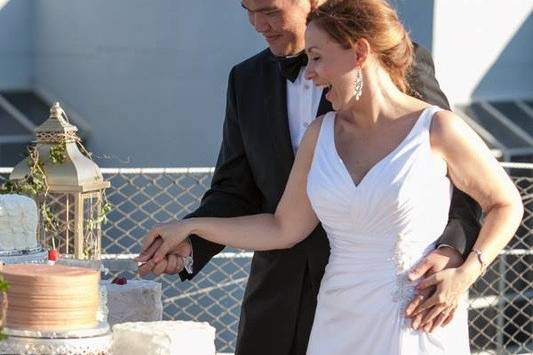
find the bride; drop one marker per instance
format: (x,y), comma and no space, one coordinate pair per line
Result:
(377,173)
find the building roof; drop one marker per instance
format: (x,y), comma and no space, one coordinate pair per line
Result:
(506,126)
(20,113)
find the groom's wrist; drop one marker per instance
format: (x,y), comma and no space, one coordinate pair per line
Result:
(451,247)
(455,259)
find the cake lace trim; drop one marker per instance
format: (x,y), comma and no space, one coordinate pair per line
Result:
(85,346)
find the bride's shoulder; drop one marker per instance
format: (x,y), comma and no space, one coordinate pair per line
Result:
(444,122)
(314,127)
(446,127)
(317,122)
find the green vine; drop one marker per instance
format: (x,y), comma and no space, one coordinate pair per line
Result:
(58,153)
(101,218)
(35,183)
(4,286)
(32,184)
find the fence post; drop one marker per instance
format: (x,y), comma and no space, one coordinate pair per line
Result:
(500,320)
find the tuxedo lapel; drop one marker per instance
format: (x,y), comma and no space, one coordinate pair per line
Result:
(275,109)
(275,106)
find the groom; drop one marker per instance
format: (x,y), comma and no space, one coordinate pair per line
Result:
(269,105)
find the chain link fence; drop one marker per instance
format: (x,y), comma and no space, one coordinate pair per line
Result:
(501,303)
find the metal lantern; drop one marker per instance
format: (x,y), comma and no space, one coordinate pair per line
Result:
(75,189)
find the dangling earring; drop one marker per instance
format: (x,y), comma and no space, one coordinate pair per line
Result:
(358,84)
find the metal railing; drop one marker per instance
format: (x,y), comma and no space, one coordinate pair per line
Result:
(501,303)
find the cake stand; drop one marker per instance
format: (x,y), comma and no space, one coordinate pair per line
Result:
(94,341)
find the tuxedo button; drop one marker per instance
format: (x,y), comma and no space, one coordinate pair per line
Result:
(306,87)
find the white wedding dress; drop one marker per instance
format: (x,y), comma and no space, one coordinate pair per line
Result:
(377,231)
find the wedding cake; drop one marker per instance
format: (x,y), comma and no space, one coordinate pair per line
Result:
(51,297)
(135,301)
(52,309)
(163,338)
(18,230)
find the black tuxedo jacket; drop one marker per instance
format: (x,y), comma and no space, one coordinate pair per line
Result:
(250,176)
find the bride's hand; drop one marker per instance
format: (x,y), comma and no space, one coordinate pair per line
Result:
(172,264)
(450,285)
(170,234)
(438,260)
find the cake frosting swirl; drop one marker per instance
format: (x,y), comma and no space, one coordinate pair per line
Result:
(163,338)
(51,297)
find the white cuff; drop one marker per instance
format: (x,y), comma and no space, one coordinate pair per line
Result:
(188,261)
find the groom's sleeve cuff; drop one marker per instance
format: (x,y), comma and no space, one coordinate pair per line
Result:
(444,245)
(188,261)
(188,264)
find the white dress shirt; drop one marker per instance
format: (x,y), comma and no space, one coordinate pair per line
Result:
(303,99)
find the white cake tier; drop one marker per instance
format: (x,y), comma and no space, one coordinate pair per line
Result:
(163,338)
(29,256)
(18,223)
(136,301)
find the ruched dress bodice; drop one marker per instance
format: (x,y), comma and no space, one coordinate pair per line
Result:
(378,230)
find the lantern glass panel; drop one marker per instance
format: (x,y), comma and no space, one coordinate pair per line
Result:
(76,229)
(92,229)
(61,206)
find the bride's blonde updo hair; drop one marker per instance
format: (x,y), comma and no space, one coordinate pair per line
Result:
(346,21)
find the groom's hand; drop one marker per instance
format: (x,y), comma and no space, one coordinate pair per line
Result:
(171,264)
(440,259)
(148,252)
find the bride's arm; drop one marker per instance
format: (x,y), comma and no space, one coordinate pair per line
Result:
(474,170)
(293,220)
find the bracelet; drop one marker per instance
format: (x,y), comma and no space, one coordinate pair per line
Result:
(481,259)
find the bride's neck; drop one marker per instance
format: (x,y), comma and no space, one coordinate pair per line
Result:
(381,99)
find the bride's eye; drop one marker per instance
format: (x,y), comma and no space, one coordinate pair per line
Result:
(314,59)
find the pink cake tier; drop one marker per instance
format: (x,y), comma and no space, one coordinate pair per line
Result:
(51,297)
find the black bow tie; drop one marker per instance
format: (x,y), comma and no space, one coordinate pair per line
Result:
(290,66)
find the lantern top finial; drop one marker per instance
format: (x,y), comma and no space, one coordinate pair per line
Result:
(56,112)
(56,128)
(69,170)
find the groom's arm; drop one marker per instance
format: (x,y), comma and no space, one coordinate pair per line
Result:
(233,191)
(463,225)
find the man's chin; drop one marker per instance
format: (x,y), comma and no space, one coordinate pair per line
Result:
(280,50)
